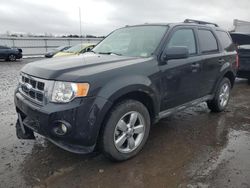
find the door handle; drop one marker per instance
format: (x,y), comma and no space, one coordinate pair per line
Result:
(195,65)
(221,61)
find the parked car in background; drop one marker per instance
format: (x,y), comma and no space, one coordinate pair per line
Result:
(242,41)
(56,50)
(10,54)
(109,97)
(74,50)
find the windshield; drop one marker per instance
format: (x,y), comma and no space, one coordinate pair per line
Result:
(60,48)
(75,49)
(137,41)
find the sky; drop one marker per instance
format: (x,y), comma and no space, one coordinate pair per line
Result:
(100,17)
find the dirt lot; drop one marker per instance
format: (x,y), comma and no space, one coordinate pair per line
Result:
(194,148)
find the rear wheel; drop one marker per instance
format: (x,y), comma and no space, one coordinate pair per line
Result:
(12,57)
(249,81)
(126,130)
(222,96)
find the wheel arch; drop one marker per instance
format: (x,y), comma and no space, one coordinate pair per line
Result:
(230,75)
(140,96)
(141,91)
(227,74)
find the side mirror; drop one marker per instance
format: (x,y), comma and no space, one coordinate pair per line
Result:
(89,48)
(176,53)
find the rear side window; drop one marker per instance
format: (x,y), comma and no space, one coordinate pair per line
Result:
(208,42)
(225,39)
(184,38)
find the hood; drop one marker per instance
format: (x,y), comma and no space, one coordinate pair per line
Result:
(74,67)
(61,54)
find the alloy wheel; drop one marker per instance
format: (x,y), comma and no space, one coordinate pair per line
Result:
(224,94)
(129,132)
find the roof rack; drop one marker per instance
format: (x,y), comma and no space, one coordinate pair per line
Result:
(200,22)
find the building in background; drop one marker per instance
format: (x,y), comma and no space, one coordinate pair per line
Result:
(241,26)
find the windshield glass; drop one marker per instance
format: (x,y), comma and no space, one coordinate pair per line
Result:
(75,49)
(60,48)
(137,41)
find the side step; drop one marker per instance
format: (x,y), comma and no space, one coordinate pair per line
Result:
(170,111)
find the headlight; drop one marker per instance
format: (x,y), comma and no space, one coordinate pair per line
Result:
(64,92)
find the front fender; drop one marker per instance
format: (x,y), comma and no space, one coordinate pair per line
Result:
(119,87)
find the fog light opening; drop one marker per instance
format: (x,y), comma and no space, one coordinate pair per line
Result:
(61,128)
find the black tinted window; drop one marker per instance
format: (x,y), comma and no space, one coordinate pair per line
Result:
(224,38)
(184,38)
(208,42)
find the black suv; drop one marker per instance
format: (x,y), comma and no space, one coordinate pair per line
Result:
(109,97)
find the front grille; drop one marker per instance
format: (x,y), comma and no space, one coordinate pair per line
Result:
(33,88)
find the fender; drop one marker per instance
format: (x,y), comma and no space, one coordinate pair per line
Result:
(124,85)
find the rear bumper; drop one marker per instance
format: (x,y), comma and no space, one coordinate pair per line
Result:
(19,56)
(83,115)
(243,74)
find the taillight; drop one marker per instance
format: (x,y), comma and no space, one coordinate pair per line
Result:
(237,61)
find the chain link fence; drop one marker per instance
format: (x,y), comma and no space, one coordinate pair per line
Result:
(36,46)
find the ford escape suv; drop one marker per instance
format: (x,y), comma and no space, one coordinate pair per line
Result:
(109,97)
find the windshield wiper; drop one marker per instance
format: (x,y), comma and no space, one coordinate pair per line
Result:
(109,53)
(92,51)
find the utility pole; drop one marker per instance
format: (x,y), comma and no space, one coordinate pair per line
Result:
(80,19)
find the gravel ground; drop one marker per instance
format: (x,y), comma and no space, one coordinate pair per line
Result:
(194,148)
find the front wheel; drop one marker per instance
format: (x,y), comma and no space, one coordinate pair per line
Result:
(126,130)
(222,96)
(12,57)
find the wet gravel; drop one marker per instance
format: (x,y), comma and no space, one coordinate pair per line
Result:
(194,148)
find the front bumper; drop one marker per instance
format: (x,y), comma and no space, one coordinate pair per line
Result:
(85,116)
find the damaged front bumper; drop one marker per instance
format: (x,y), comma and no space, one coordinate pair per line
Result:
(81,118)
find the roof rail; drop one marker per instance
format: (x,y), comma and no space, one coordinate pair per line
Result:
(200,22)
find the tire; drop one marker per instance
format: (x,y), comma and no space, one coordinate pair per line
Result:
(248,81)
(119,142)
(222,96)
(12,57)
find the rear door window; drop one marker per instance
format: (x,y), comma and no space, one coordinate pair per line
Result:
(208,42)
(184,38)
